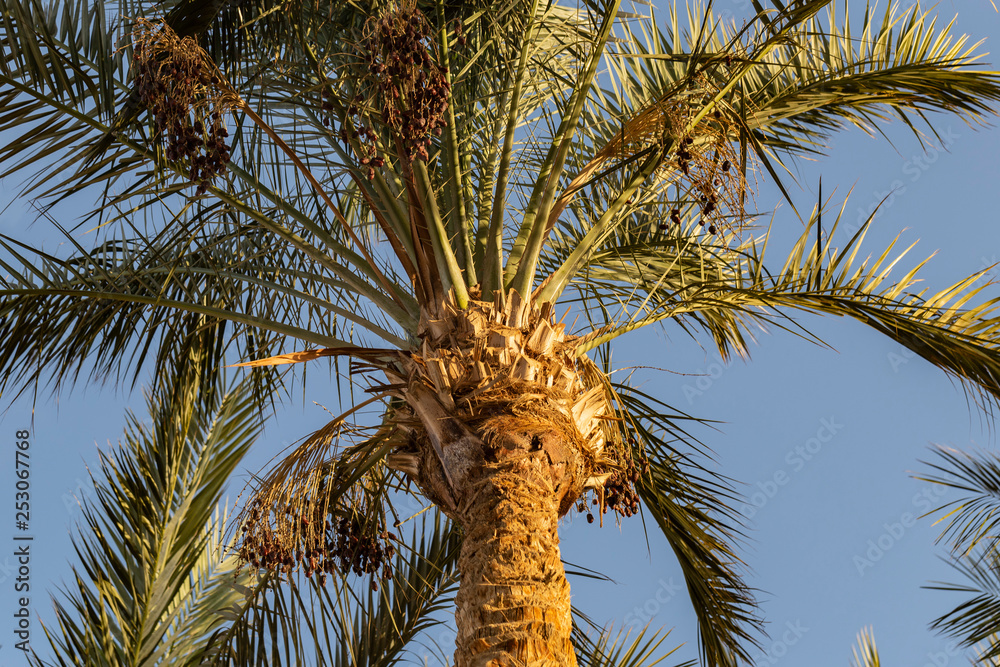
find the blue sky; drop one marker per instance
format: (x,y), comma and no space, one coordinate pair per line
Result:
(824,441)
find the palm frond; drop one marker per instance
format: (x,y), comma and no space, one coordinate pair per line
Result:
(61,73)
(153,573)
(111,306)
(777,88)
(975,621)
(973,520)
(896,63)
(728,292)
(534,225)
(693,508)
(971,536)
(807,76)
(865,653)
(622,650)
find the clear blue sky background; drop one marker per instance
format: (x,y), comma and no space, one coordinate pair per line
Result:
(810,540)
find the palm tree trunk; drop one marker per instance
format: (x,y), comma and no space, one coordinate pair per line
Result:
(513,605)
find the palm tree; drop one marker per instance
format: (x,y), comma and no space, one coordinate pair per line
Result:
(155,583)
(423,187)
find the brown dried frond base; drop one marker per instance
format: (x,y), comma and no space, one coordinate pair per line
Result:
(507,367)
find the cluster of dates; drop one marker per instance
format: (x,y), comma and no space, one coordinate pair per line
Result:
(347,544)
(411,91)
(355,549)
(620,495)
(176,83)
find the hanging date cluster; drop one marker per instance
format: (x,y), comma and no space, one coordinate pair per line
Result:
(619,493)
(366,151)
(411,90)
(317,540)
(187,100)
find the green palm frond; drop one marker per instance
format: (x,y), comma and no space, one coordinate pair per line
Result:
(970,533)
(728,292)
(61,73)
(976,621)
(776,89)
(621,650)
(52,118)
(531,237)
(974,518)
(895,63)
(694,510)
(821,74)
(153,573)
(112,306)
(865,653)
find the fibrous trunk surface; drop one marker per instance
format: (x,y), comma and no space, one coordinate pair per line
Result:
(513,606)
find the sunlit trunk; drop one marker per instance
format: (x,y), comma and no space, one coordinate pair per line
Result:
(513,606)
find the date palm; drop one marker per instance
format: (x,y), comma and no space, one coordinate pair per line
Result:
(424,188)
(154,582)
